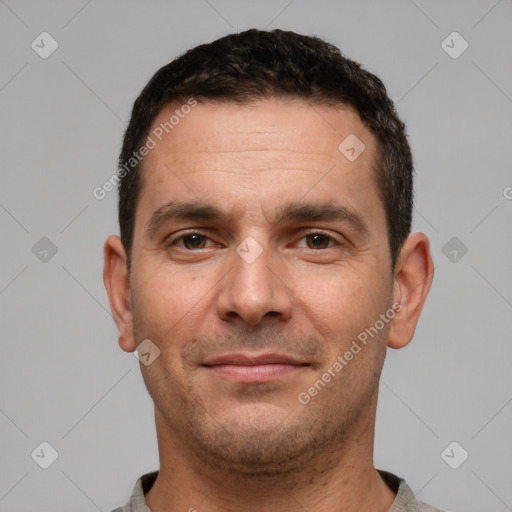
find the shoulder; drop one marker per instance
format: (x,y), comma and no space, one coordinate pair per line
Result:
(137,502)
(405,500)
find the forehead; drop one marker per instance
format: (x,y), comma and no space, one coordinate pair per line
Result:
(260,150)
(277,124)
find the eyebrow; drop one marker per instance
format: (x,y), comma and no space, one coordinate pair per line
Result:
(289,212)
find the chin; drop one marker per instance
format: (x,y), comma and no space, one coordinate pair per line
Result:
(256,439)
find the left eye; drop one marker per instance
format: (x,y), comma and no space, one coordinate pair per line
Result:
(317,240)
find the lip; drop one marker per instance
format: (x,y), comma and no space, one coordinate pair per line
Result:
(254,368)
(245,359)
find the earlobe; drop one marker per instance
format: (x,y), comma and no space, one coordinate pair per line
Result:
(413,278)
(117,284)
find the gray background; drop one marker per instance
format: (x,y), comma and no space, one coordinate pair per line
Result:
(63,378)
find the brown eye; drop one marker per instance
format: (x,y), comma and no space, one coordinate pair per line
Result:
(318,241)
(194,241)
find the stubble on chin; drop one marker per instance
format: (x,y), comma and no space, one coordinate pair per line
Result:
(260,443)
(264,445)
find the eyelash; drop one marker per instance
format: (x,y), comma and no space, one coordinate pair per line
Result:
(173,242)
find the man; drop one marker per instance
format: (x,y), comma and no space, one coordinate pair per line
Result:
(264,266)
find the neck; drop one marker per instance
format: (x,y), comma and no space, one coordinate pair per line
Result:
(340,477)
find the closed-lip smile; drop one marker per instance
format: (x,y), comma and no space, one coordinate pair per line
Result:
(245,367)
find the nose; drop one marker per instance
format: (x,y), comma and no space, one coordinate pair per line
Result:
(254,290)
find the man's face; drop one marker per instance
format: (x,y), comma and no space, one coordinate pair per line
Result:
(289,292)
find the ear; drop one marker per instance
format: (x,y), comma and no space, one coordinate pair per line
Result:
(413,277)
(117,284)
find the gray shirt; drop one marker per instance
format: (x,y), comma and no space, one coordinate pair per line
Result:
(404,501)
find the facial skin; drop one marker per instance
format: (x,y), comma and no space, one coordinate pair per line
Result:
(230,438)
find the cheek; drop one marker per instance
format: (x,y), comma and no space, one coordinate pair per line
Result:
(342,304)
(165,301)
